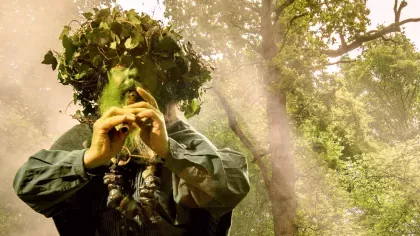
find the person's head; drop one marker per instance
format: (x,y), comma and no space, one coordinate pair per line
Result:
(120,90)
(114,51)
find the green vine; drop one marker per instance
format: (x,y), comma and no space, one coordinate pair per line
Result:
(111,37)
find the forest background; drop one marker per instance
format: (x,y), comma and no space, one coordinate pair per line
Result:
(322,97)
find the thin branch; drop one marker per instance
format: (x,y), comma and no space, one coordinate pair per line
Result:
(395,10)
(239,67)
(373,34)
(389,40)
(233,124)
(398,13)
(288,28)
(394,27)
(281,8)
(340,62)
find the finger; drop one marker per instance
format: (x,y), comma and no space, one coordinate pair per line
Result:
(138,109)
(126,110)
(142,105)
(114,111)
(149,113)
(147,96)
(109,123)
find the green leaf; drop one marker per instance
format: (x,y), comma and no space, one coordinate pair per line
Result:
(69,48)
(65,31)
(130,43)
(100,36)
(137,36)
(127,60)
(167,64)
(113,45)
(49,59)
(112,63)
(88,15)
(102,14)
(132,17)
(192,109)
(97,60)
(103,25)
(168,44)
(116,28)
(74,98)
(126,30)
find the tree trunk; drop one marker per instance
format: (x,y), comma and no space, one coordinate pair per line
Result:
(282,186)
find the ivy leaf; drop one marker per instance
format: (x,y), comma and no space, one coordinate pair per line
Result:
(147,66)
(167,64)
(168,44)
(130,43)
(100,37)
(88,15)
(74,98)
(113,45)
(138,36)
(102,14)
(132,17)
(49,59)
(127,60)
(116,28)
(69,48)
(192,109)
(103,25)
(66,31)
(97,60)
(111,63)
(125,30)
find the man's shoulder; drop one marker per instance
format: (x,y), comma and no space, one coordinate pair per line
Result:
(74,138)
(177,126)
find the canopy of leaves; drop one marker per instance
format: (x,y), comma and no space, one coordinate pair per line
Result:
(111,37)
(386,79)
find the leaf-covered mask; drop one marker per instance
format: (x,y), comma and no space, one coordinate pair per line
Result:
(111,37)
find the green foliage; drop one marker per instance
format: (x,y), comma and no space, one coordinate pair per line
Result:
(337,119)
(385,187)
(253,215)
(111,37)
(20,137)
(386,79)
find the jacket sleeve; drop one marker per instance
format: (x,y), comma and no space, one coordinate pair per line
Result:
(206,177)
(49,177)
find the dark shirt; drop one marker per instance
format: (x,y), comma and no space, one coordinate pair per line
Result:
(200,187)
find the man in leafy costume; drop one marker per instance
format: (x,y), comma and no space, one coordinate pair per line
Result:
(131,167)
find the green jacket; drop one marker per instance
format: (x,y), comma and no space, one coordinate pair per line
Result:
(200,187)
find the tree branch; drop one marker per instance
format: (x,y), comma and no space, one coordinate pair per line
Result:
(233,124)
(398,13)
(340,62)
(239,67)
(373,34)
(394,27)
(288,29)
(278,11)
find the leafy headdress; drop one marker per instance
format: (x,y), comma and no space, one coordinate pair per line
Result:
(110,37)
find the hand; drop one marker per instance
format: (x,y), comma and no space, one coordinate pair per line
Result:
(154,135)
(106,140)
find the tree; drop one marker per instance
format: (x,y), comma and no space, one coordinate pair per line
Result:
(291,39)
(386,78)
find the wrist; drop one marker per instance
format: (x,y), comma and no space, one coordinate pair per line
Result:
(90,160)
(165,152)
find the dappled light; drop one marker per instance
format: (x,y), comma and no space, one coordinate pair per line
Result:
(322,97)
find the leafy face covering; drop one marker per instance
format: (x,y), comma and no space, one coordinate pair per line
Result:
(121,82)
